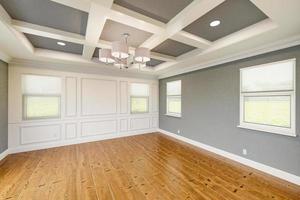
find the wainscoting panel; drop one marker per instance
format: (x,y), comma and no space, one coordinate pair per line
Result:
(98,97)
(71,130)
(154,122)
(123,125)
(140,123)
(98,127)
(123,97)
(71,97)
(93,107)
(37,134)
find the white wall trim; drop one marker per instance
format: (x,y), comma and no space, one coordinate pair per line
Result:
(4,154)
(261,167)
(40,134)
(33,147)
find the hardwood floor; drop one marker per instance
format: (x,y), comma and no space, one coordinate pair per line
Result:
(150,166)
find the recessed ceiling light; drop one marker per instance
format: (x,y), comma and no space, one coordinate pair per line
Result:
(61,43)
(215,23)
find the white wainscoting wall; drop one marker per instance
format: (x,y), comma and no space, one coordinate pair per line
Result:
(93,107)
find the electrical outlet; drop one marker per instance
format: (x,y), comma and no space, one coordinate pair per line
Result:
(244,151)
(178,131)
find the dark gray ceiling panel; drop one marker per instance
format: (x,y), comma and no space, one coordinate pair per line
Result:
(96,53)
(161,10)
(172,48)
(154,62)
(47,13)
(51,44)
(113,31)
(233,14)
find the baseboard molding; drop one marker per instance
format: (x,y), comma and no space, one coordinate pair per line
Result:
(4,154)
(261,167)
(25,148)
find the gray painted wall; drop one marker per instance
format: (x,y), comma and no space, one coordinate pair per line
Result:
(3,105)
(210,113)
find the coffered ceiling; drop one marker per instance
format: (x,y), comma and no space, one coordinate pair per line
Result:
(178,32)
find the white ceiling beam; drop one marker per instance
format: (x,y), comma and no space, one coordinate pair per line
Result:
(4,16)
(3,56)
(135,19)
(191,39)
(88,51)
(282,12)
(6,21)
(43,31)
(159,56)
(192,12)
(276,9)
(99,9)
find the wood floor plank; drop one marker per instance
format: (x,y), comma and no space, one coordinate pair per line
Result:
(15,173)
(143,167)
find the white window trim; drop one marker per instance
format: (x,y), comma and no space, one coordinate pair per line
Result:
(133,96)
(291,131)
(171,114)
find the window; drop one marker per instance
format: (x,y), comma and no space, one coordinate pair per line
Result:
(267,97)
(139,98)
(174,98)
(41,97)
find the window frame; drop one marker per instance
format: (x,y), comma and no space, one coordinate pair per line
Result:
(24,105)
(24,94)
(288,131)
(139,96)
(172,114)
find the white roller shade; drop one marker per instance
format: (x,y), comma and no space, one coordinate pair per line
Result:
(271,77)
(174,88)
(44,85)
(139,89)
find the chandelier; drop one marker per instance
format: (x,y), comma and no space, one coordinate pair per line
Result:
(119,55)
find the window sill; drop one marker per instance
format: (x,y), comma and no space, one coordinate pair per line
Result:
(173,115)
(269,129)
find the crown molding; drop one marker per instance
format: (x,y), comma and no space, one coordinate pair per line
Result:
(3,56)
(96,68)
(282,44)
